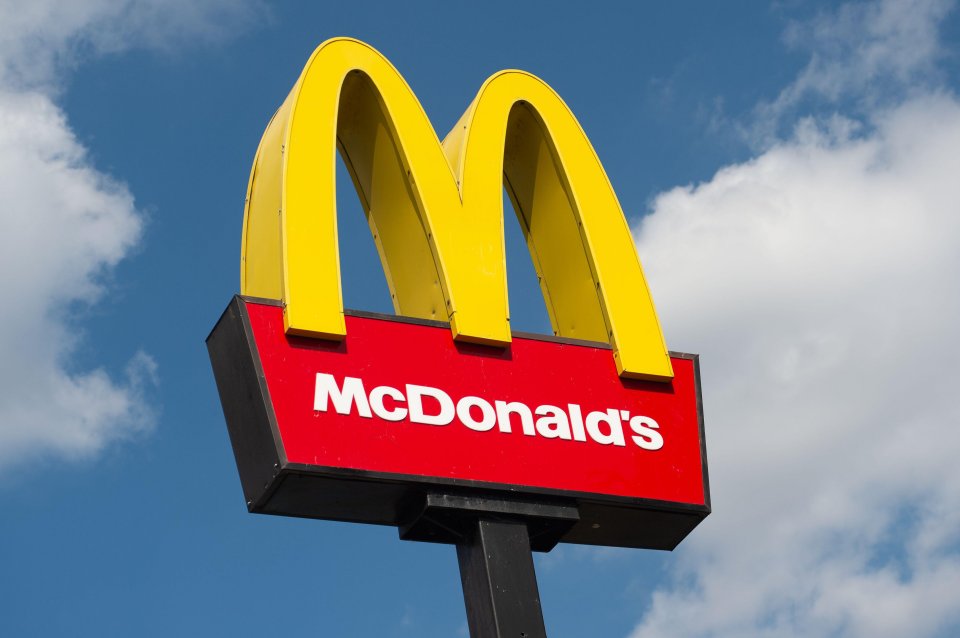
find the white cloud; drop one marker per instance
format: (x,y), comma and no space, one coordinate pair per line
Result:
(868,54)
(64,225)
(819,283)
(41,39)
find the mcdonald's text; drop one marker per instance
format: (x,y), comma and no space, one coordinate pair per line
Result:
(605,427)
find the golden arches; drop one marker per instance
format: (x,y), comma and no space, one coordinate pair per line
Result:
(435,210)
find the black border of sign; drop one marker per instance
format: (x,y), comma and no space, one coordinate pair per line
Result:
(272,485)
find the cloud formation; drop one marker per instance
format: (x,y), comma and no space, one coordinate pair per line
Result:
(818,281)
(64,224)
(41,40)
(864,55)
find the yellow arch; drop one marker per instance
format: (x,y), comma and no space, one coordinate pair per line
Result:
(436,212)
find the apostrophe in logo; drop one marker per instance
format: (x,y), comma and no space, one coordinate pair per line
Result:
(435,209)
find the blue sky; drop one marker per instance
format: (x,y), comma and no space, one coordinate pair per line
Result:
(790,172)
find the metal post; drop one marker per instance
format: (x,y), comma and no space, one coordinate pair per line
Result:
(499,582)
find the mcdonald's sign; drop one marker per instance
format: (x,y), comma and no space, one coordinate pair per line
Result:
(347,415)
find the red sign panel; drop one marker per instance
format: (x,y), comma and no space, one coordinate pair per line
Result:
(397,401)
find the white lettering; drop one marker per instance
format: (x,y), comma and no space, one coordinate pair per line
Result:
(487,420)
(432,406)
(576,422)
(611,418)
(376,403)
(552,423)
(351,394)
(647,436)
(504,410)
(415,394)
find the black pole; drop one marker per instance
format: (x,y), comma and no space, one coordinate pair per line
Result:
(499,582)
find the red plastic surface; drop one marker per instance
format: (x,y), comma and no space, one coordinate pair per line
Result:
(534,372)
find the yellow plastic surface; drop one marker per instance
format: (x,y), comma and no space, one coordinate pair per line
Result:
(436,211)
